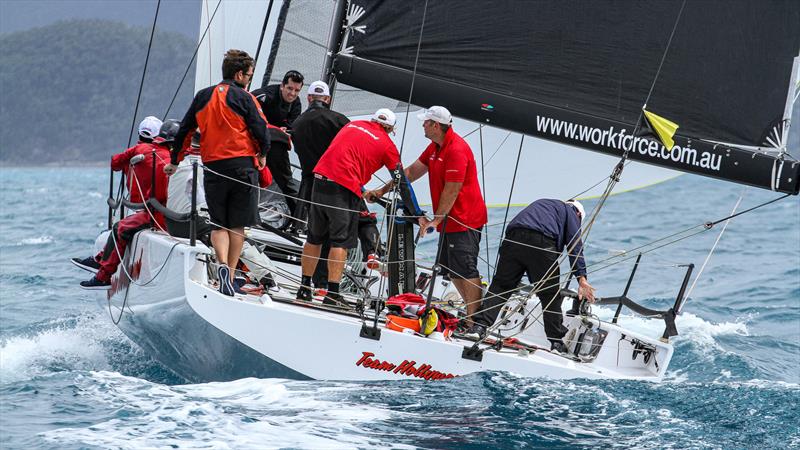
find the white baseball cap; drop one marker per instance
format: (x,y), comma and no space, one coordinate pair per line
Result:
(577,206)
(318,88)
(437,114)
(149,127)
(384,116)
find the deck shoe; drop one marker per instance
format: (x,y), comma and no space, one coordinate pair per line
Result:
(559,347)
(304,294)
(89,264)
(238,284)
(225,284)
(267,281)
(96,284)
(333,299)
(476,331)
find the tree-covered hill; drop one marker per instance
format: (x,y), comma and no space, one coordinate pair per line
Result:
(68,90)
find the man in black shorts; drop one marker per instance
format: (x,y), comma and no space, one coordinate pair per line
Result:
(358,151)
(233,146)
(455,194)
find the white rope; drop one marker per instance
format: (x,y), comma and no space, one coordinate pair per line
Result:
(285,195)
(710,252)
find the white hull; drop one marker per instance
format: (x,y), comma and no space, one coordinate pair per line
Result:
(174,314)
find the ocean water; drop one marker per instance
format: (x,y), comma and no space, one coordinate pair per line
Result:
(70,379)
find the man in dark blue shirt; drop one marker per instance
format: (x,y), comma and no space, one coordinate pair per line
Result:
(533,243)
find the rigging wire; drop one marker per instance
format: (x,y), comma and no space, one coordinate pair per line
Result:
(578,195)
(483,183)
(210,69)
(508,135)
(664,55)
(263,32)
(708,257)
(508,204)
(711,224)
(191,60)
(144,72)
(413,78)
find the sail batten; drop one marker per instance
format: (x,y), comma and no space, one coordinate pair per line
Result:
(579,72)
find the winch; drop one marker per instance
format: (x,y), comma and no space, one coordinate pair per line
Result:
(585,341)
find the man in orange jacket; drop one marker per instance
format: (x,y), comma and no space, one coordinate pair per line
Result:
(233,146)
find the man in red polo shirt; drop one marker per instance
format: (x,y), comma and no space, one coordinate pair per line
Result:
(453,179)
(359,149)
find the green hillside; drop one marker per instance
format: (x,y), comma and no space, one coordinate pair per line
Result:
(69,89)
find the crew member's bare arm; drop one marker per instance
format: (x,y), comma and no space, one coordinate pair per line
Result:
(446,202)
(413,172)
(416,170)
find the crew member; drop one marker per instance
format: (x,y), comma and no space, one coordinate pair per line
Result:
(533,243)
(313,132)
(179,199)
(140,159)
(355,154)
(233,145)
(281,106)
(455,192)
(149,128)
(281,102)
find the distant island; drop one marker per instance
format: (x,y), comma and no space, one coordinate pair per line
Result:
(69,89)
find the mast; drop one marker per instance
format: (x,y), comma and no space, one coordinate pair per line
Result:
(338,27)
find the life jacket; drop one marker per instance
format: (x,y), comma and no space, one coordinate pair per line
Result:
(405,305)
(438,320)
(406,309)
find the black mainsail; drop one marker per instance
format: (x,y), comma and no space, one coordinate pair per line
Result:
(579,73)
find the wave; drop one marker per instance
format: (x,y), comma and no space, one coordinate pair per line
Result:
(76,343)
(247,413)
(64,344)
(690,326)
(494,410)
(40,240)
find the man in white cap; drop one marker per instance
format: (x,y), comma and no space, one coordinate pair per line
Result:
(533,244)
(456,194)
(140,162)
(356,153)
(313,132)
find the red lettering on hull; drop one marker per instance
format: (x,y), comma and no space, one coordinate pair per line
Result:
(407,368)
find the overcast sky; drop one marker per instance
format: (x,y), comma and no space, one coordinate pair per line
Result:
(181,16)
